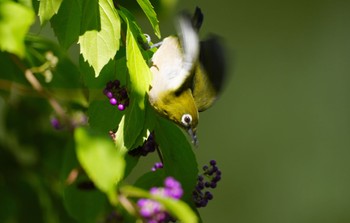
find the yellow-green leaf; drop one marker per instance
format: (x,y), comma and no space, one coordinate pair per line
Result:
(47,9)
(103,163)
(15,20)
(99,46)
(139,81)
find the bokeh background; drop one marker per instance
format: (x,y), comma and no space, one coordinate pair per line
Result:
(281,130)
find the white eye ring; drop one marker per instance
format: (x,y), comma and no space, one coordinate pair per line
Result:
(186,120)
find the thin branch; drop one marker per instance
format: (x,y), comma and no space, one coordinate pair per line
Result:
(29,75)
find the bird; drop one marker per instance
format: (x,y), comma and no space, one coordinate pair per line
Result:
(188,74)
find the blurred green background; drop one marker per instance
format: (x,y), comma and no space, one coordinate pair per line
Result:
(281,130)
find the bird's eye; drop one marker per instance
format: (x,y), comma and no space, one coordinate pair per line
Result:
(186,119)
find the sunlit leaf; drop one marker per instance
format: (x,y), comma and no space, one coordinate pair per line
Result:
(101,161)
(48,8)
(100,46)
(15,20)
(178,209)
(140,77)
(82,204)
(151,15)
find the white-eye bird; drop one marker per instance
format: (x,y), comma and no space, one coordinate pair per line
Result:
(187,74)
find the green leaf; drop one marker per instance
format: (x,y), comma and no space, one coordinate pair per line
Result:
(151,15)
(15,20)
(138,85)
(98,47)
(103,163)
(66,24)
(151,179)
(179,159)
(179,209)
(47,9)
(90,19)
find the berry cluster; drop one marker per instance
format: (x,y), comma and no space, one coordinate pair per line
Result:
(156,166)
(152,211)
(208,180)
(148,146)
(116,94)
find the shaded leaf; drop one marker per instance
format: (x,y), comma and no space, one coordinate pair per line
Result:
(179,159)
(151,15)
(90,19)
(15,20)
(100,46)
(66,24)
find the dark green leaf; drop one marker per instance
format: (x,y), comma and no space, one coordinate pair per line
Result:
(179,159)
(151,179)
(66,24)
(90,19)
(151,15)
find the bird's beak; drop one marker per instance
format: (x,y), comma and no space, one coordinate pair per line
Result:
(193,135)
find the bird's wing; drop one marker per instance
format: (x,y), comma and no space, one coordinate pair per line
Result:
(210,73)
(174,61)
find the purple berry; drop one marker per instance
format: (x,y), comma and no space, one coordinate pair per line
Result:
(56,123)
(113,102)
(212,162)
(205,167)
(121,107)
(109,94)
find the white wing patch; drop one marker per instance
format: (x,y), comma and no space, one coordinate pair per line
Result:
(172,63)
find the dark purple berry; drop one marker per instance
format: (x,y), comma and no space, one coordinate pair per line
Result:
(208,195)
(109,85)
(109,94)
(205,167)
(212,162)
(56,124)
(116,83)
(217,178)
(200,178)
